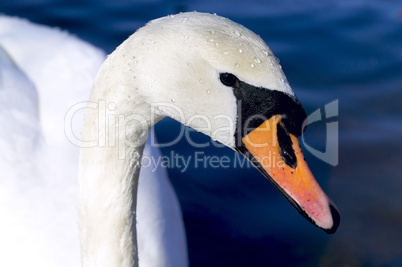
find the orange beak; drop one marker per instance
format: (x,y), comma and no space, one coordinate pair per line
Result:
(277,154)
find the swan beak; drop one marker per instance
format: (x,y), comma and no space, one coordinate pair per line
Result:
(277,154)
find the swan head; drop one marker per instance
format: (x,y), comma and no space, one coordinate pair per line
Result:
(220,78)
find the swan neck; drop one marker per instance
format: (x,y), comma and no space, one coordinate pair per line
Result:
(110,169)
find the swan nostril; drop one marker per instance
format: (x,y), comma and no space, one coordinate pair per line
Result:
(285,147)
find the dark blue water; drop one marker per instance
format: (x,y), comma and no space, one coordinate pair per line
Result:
(350,51)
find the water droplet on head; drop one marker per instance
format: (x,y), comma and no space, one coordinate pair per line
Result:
(257,60)
(252,65)
(212,32)
(225,52)
(237,65)
(208,91)
(216,44)
(210,40)
(240,51)
(183,20)
(172,100)
(141,43)
(171,16)
(200,80)
(186,36)
(277,60)
(282,80)
(238,34)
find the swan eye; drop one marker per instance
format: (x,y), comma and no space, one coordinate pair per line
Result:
(229,79)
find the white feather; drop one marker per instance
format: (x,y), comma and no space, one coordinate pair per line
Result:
(38,181)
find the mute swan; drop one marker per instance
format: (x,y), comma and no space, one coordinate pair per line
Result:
(38,183)
(211,74)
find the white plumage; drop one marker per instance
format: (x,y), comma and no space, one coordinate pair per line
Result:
(43,73)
